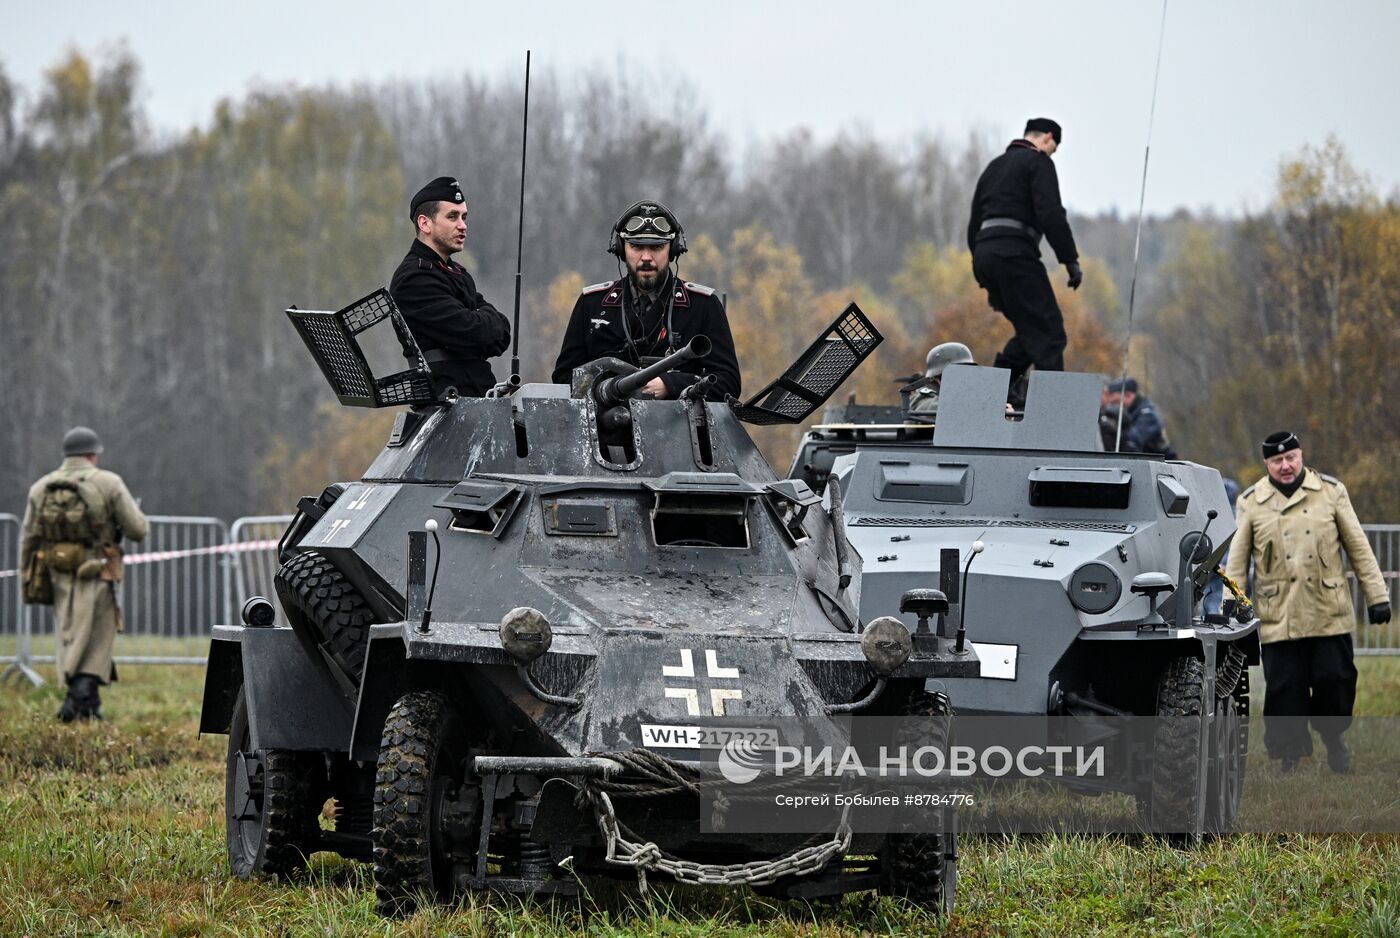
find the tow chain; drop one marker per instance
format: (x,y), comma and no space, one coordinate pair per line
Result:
(663,776)
(1228,672)
(1245,606)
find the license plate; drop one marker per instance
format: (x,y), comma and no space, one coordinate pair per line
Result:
(663,736)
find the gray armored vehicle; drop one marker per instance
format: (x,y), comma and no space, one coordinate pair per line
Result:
(525,636)
(1084,599)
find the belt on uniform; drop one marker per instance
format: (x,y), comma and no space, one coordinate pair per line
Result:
(435,355)
(1012,223)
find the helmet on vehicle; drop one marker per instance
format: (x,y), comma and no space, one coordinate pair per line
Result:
(949,353)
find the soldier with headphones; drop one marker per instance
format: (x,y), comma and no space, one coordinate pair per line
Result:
(649,311)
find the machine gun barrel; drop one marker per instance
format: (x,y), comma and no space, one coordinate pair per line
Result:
(613,391)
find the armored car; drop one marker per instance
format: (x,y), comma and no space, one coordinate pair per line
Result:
(1077,573)
(510,655)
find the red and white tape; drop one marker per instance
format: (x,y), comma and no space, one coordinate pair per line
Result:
(156,556)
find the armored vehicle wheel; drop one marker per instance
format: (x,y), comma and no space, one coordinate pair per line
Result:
(1229,747)
(268,804)
(914,866)
(1173,800)
(426,804)
(326,610)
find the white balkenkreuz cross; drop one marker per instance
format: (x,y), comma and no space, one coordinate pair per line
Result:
(713,672)
(336,527)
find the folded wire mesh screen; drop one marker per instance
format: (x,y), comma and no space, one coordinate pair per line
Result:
(816,374)
(331,338)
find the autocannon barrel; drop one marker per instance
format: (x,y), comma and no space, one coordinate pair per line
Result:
(613,391)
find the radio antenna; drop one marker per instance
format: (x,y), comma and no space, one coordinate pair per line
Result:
(1137,240)
(520,235)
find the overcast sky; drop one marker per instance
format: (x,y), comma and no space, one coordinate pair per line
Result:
(1242,83)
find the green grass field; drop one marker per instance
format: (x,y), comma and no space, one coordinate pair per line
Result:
(117,829)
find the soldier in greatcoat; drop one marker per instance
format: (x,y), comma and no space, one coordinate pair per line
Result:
(74,522)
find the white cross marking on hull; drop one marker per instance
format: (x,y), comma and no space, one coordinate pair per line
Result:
(685,669)
(718,696)
(714,670)
(689,695)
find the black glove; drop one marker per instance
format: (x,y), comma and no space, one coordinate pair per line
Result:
(1379,614)
(1076,274)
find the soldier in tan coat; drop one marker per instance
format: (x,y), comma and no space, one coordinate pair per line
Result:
(1294,525)
(74,521)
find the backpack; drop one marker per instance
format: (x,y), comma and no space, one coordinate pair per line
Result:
(73,518)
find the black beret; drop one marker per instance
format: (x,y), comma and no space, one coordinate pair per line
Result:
(1119,385)
(1046,126)
(1280,442)
(441,189)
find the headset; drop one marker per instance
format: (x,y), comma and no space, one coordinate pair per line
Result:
(615,236)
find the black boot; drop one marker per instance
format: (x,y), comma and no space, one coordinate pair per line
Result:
(89,700)
(1338,755)
(68,712)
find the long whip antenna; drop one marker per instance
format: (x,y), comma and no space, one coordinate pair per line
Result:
(520,234)
(1137,240)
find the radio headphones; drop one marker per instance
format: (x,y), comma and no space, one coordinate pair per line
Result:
(677,243)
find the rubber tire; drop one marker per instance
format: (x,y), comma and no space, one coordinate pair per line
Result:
(913,866)
(1176,763)
(326,609)
(276,842)
(1229,751)
(424,739)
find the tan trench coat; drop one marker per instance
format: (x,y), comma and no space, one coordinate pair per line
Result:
(86,610)
(1300,587)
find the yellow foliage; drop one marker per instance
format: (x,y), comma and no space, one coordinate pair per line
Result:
(1292,323)
(342,445)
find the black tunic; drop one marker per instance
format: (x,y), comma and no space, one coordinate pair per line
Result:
(1021,184)
(596,330)
(444,312)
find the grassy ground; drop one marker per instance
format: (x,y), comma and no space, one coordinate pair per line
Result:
(117,828)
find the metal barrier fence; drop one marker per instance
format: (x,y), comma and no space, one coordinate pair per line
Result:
(187,576)
(16,649)
(254,560)
(191,574)
(1379,639)
(174,591)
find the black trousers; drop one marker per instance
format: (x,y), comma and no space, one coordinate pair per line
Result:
(1307,680)
(1019,288)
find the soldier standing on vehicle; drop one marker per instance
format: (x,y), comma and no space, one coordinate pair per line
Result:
(455,327)
(74,521)
(1017,200)
(1143,430)
(1294,526)
(650,312)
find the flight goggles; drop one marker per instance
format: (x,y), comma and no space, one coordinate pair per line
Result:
(648,226)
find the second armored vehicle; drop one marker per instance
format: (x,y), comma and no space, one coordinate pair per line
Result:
(1085,597)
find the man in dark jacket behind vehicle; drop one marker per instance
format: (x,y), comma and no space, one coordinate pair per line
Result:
(455,327)
(1017,200)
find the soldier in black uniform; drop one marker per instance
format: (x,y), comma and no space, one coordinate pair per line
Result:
(453,324)
(650,312)
(1143,430)
(1016,201)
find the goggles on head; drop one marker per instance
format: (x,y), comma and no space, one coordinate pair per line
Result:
(648,226)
